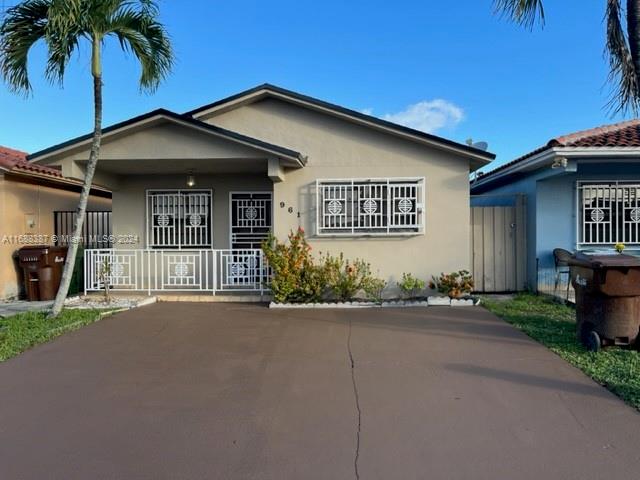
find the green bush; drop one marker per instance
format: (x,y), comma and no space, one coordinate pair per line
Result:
(374,289)
(410,285)
(295,277)
(346,278)
(454,285)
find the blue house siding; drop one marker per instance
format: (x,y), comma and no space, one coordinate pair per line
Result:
(551,206)
(556,219)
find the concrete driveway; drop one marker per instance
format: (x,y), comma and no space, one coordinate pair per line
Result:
(214,391)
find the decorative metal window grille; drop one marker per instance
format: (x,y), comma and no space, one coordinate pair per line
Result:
(390,206)
(179,218)
(251,218)
(608,213)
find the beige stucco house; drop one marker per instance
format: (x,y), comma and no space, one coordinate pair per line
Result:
(30,194)
(194,194)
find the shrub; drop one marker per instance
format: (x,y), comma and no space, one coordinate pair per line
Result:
(374,288)
(295,277)
(454,285)
(411,285)
(346,278)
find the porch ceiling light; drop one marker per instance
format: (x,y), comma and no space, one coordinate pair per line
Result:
(191,179)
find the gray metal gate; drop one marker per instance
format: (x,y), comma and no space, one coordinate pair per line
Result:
(498,246)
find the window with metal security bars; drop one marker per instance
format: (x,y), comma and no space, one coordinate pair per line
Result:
(389,206)
(179,218)
(608,213)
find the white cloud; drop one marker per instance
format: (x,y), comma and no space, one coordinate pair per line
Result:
(367,111)
(428,115)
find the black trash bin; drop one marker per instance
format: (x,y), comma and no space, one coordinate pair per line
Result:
(42,270)
(607,299)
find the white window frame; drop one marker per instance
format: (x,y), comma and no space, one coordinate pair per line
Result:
(178,244)
(617,217)
(389,226)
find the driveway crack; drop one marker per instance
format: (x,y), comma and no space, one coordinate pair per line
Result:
(357,400)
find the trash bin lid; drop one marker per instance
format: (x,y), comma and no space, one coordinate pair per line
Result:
(617,260)
(34,247)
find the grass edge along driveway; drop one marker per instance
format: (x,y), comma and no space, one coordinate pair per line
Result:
(22,331)
(554,325)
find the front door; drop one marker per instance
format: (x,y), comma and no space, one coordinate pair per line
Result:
(251,219)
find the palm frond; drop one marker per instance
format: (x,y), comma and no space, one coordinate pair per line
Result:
(622,71)
(524,12)
(23,25)
(65,26)
(139,31)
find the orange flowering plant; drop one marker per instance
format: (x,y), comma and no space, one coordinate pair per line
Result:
(346,278)
(295,277)
(454,285)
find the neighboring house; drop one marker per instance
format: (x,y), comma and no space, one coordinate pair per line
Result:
(582,193)
(198,192)
(29,196)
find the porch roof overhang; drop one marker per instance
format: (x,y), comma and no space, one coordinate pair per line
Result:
(226,150)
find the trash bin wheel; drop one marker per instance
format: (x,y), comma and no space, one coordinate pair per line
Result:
(584,330)
(593,342)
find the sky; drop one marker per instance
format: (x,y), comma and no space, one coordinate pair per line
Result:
(455,69)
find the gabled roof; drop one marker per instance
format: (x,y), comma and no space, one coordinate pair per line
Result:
(622,135)
(185,120)
(267,90)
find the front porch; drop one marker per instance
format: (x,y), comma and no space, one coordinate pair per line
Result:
(177,273)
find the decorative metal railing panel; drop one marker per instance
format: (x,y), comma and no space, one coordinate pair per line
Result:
(608,213)
(176,270)
(390,206)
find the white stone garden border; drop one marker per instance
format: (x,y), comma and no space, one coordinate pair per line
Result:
(431,301)
(119,302)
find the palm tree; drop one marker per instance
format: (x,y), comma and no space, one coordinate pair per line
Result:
(622,47)
(63,25)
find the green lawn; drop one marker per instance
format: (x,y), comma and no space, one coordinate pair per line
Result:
(553,325)
(21,332)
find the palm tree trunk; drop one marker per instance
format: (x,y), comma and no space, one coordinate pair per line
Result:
(67,272)
(633,32)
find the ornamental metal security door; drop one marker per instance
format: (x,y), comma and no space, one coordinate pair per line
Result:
(251,218)
(179,218)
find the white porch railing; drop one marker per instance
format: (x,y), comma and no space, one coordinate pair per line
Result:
(176,270)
